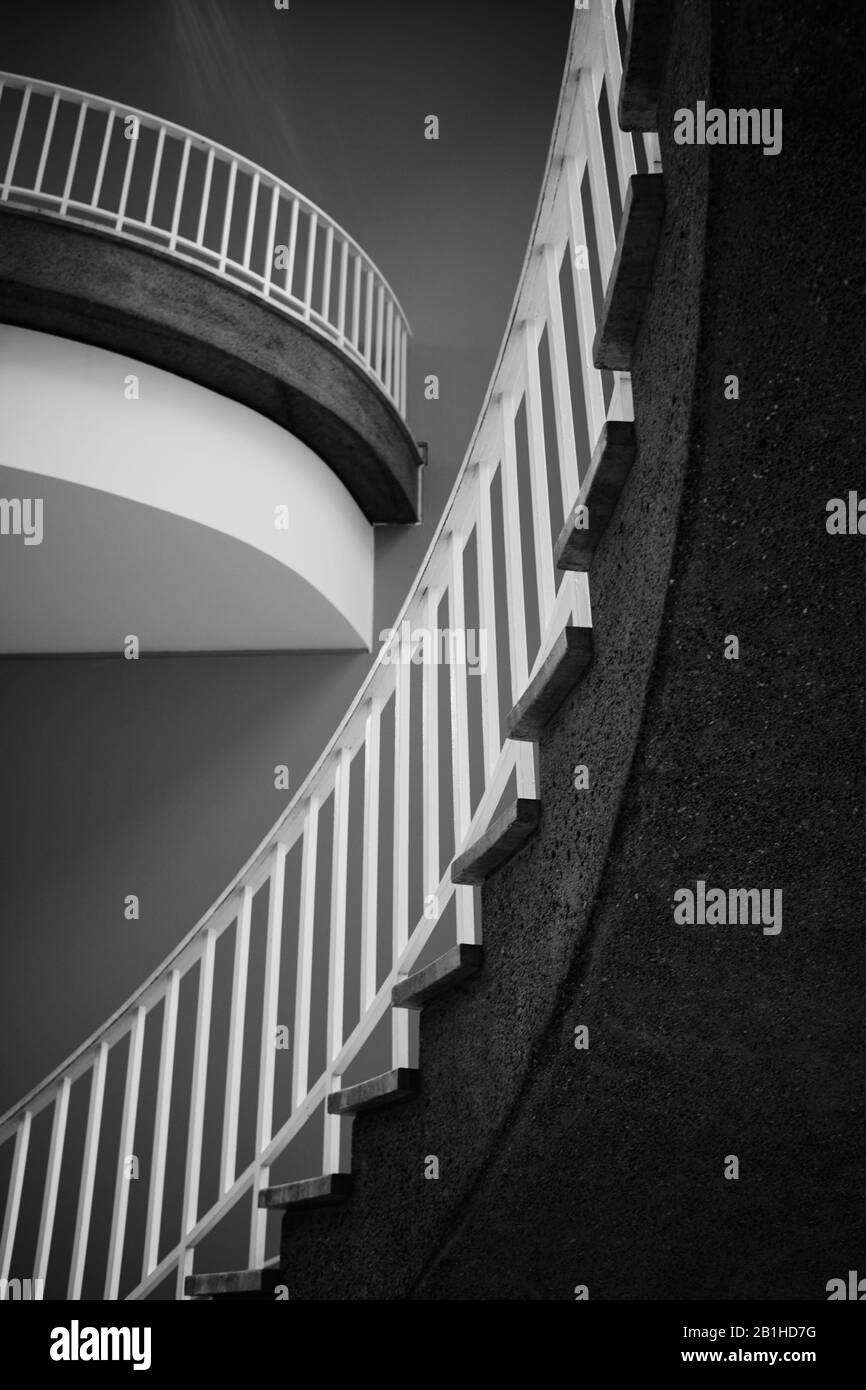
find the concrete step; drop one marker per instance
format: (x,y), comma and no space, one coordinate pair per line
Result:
(250,1284)
(568,661)
(631,274)
(379,1091)
(599,496)
(326,1191)
(437,978)
(508,834)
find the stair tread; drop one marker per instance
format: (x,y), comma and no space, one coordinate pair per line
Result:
(566,664)
(392,1086)
(323,1191)
(438,977)
(630,276)
(608,471)
(239,1282)
(508,834)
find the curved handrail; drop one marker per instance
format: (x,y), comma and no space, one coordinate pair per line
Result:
(378,344)
(574,215)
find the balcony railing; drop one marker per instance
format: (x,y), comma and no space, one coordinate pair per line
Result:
(100,164)
(415,772)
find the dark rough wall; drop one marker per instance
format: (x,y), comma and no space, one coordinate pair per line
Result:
(606,1167)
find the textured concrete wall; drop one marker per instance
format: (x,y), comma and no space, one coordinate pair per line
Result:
(605,1167)
(88,285)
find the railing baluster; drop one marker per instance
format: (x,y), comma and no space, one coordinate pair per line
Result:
(304,982)
(16,144)
(227,215)
(234,1060)
(380,341)
(269,245)
(160,1123)
(560,382)
(513,553)
(400,892)
(154,176)
(127,176)
(311,263)
(205,199)
(73,158)
(178,201)
(251,221)
(344,285)
(487,618)
(52,1181)
(368,321)
(593,393)
(370,864)
(293,245)
(430,747)
(127,1139)
(103,156)
(267,1054)
(13,1197)
(337,947)
(356,304)
(403,373)
(326,287)
(389,348)
(464,898)
(602,214)
(192,1178)
(88,1172)
(46,143)
(622,142)
(544,578)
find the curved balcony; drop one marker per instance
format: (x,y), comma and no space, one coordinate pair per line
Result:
(331,367)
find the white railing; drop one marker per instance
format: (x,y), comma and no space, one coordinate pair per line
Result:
(76,156)
(373,831)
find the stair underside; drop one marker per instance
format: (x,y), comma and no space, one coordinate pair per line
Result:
(437,978)
(379,1091)
(508,834)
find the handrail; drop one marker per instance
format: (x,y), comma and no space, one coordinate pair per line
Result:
(491,553)
(377,345)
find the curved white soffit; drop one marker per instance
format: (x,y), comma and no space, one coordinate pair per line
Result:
(181,480)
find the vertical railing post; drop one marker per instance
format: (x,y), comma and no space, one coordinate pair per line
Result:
(311,263)
(127,1139)
(593,393)
(328,274)
(178,199)
(52,1181)
(430,750)
(205,199)
(370,852)
(337,949)
(304,979)
(267,1054)
(464,898)
(160,1123)
(269,242)
(487,619)
(46,143)
(13,1197)
(88,1172)
(227,215)
(400,867)
(154,177)
(16,145)
(538,475)
(559,375)
(234,1059)
(73,159)
(201,1047)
